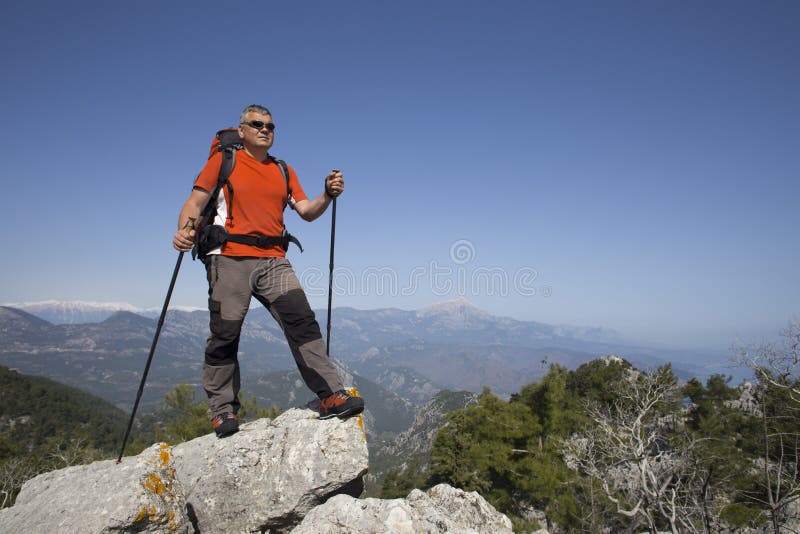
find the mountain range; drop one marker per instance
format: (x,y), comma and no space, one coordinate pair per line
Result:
(80,311)
(412,354)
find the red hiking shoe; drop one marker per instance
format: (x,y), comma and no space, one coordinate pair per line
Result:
(340,405)
(225,424)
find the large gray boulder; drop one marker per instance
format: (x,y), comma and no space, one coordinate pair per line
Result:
(270,474)
(139,495)
(440,509)
(293,474)
(264,478)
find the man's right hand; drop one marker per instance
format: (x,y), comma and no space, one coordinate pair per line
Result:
(183,239)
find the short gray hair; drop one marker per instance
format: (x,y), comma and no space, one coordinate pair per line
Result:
(254,108)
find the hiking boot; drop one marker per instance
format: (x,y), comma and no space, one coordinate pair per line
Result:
(225,424)
(341,405)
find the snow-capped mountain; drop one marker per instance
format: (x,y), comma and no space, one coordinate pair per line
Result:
(80,311)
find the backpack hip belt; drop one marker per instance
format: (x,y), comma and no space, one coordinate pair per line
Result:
(265,241)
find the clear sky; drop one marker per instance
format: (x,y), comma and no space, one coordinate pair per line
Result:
(632,165)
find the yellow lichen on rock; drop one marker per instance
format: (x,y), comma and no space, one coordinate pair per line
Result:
(360,421)
(141,515)
(159,482)
(353,392)
(154,484)
(165,454)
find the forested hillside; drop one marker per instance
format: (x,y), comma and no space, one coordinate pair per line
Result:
(45,425)
(608,447)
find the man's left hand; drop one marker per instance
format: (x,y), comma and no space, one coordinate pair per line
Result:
(334,183)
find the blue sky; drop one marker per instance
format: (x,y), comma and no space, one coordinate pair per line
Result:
(632,165)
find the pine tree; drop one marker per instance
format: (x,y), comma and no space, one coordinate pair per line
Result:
(187,418)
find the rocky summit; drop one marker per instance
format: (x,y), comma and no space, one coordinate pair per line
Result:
(268,477)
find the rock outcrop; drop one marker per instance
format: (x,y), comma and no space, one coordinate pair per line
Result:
(293,474)
(270,474)
(140,494)
(264,478)
(440,509)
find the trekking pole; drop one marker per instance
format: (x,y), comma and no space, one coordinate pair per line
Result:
(150,357)
(330,278)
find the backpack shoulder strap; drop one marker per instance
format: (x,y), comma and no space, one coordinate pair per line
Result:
(227,141)
(285,172)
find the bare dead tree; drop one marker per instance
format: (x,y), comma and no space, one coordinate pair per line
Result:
(627,450)
(776,363)
(13,473)
(71,452)
(776,366)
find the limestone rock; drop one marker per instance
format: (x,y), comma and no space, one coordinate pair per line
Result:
(440,509)
(270,474)
(139,495)
(264,478)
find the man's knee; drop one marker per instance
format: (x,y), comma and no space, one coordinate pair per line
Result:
(298,319)
(223,343)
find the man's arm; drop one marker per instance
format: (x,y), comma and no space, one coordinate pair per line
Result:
(184,237)
(311,209)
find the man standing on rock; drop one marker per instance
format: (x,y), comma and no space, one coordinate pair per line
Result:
(238,271)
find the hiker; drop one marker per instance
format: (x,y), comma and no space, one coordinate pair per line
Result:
(243,268)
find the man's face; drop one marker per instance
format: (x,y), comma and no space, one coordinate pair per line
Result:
(254,136)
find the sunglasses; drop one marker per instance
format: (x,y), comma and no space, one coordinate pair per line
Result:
(258,125)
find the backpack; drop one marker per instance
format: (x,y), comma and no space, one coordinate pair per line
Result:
(209,236)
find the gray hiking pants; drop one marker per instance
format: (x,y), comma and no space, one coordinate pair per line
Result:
(231,283)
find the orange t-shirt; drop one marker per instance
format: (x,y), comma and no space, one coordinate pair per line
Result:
(259,197)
